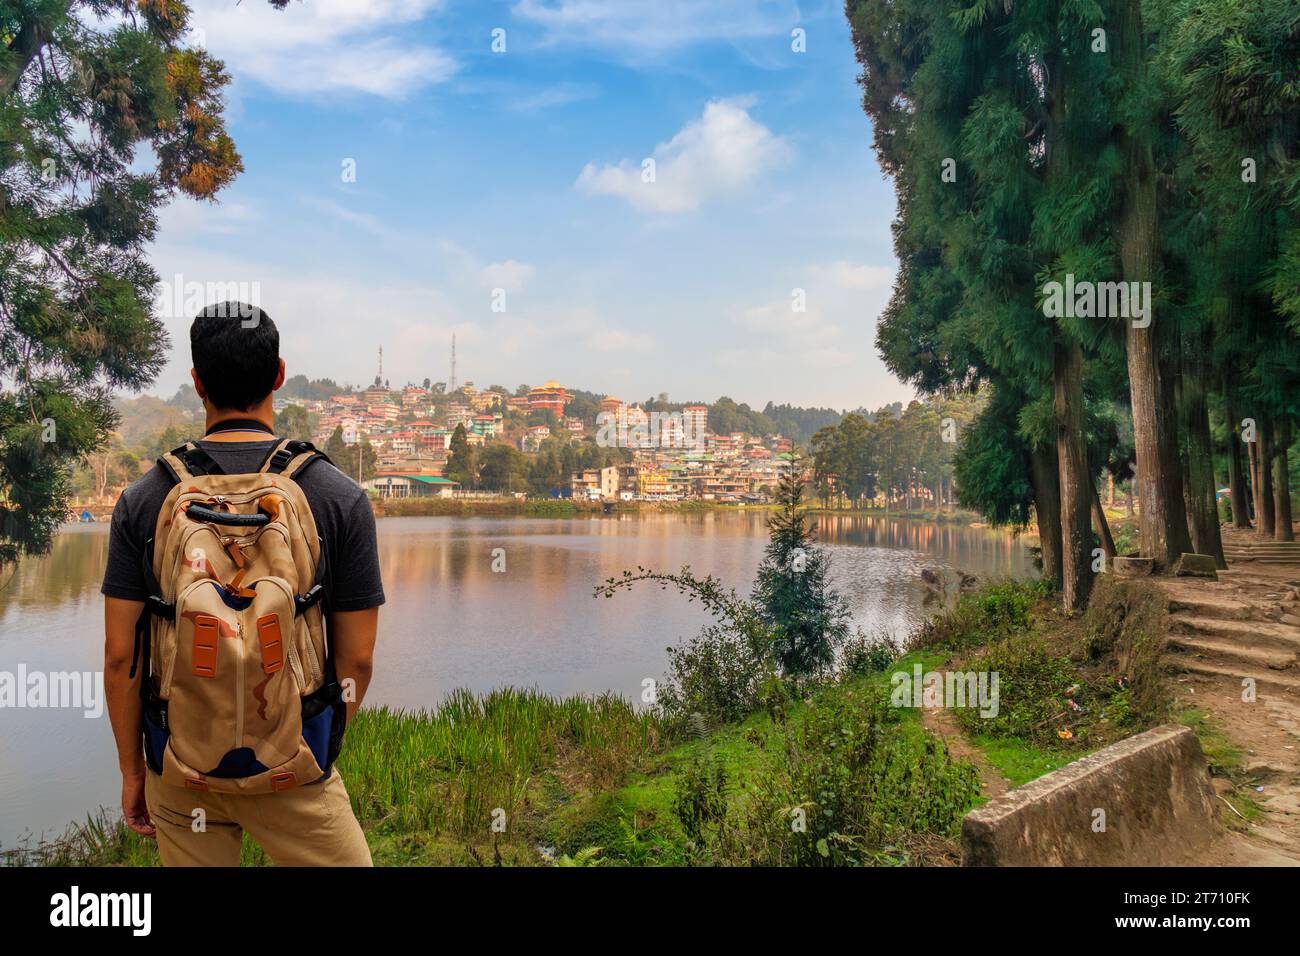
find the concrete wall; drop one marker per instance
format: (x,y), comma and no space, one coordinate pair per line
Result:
(1155,792)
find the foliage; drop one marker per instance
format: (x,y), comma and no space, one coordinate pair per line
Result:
(864,655)
(356,460)
(791,589)
(105,115)
(894,452)
(721,673)
(1125,625)
(850,784)
(994,612)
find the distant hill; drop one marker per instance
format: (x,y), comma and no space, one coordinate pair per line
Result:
(145,416)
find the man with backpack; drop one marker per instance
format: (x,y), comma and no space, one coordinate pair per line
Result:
(241,603)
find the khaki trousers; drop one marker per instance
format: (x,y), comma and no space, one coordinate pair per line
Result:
(311,825)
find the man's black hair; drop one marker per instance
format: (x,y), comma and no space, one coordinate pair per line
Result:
(236,351)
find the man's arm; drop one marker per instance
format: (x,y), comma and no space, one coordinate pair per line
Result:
(353,636)
(124,711)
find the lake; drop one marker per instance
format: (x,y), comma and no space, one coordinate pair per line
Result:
(452,621)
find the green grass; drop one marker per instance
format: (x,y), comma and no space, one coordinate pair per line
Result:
(1020,761)
(1221,754)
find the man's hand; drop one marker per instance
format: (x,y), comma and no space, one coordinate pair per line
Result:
(353,636)
(124,711)
(134,810)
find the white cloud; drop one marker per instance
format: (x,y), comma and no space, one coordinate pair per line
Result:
(509,275)
(854,275)
(617,340)
(562,94)
(643,28)
(325,46)
(184,216)
(722,152)
(779,318)
(362,220)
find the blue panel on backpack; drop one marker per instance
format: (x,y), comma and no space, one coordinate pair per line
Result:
(155,742)
(240,762)
(231,601)
(316,732)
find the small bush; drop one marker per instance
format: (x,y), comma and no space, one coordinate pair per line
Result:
(855,785)
(700,802)
(1125,625)
(863,655)
(994,612)
(1034,686)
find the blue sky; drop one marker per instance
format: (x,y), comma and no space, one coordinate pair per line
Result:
(522,171)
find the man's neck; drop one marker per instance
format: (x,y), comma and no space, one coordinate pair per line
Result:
(216,418)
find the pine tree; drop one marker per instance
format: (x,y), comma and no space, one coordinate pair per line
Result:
(462,465)
(792,592)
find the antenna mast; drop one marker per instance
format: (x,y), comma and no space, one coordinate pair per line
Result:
(451,383)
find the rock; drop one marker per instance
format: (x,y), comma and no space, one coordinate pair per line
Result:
(1133,567)
(1196,566)
(1290,619)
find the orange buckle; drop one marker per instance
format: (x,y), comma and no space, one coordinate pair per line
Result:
(268,635)
(203,652)
(283,780)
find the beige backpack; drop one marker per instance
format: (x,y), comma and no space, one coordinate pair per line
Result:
(239,691)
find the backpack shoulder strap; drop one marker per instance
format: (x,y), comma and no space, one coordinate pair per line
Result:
(189,461)
(291,458)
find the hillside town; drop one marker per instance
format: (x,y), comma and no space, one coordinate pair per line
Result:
(639,454)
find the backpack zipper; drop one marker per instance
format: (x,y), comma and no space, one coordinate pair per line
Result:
(239,687)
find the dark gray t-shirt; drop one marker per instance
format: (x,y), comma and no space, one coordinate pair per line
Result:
(344,521)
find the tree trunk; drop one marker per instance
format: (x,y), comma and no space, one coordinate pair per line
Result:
(1267,524)
(1102,527)
(1202,504)
(1047,509)
(1072,464)
(1284,531)
(1236,473)
(1252,456)
(1163,528)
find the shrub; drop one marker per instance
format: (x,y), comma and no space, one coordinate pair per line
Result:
(855,785)
(994,612)
(1126,623)
(1033,689)
(700,802)
(868,655)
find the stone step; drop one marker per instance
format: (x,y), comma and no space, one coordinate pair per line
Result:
(1228,652)
(1265,634)
(1223,609)
(1272,680)
(1266,557)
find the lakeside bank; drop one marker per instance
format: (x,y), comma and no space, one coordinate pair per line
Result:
(830,772)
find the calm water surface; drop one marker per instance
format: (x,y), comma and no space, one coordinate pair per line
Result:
(451,621)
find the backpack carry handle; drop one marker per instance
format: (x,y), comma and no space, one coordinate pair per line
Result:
(198,512)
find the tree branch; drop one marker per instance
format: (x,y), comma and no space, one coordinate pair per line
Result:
(29,41)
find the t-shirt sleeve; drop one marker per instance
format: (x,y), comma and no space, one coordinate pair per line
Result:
(123,573)
(355,575)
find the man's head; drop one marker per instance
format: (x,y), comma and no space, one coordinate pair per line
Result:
(236,353)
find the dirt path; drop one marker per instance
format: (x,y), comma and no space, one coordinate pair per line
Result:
(1229,638)
(939,721)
